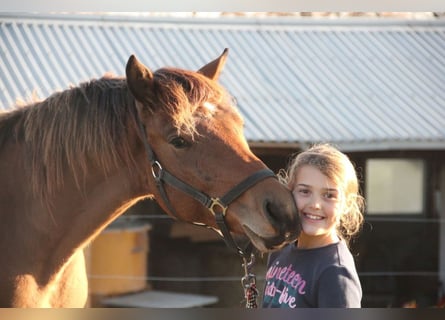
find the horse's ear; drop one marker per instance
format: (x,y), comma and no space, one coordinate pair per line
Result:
(139,80)
(214,68)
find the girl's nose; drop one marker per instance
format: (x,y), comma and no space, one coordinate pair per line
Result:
(315,203)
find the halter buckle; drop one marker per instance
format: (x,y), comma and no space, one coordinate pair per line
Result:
(216,202)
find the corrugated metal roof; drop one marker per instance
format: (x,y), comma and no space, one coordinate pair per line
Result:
(362,85)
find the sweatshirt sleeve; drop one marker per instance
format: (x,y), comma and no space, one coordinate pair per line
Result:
(339,288)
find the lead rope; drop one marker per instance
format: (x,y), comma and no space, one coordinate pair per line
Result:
(248,283)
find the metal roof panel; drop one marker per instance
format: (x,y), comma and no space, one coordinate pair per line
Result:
(372,84)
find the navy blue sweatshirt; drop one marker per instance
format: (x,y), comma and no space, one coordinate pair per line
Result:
(323,277)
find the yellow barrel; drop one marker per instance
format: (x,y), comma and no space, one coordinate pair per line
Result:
(118,260)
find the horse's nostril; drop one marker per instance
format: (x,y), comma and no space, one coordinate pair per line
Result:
(287,226)
(271,212)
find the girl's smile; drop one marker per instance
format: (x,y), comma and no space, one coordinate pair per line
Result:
(312,216)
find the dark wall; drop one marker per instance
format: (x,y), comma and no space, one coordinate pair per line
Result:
(397,255)
(398,263)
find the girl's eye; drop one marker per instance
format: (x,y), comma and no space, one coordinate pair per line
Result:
(331,196)
(303,191)
(179,142)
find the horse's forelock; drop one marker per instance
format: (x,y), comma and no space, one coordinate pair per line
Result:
(182,94)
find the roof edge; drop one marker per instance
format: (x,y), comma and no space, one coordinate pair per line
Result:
(358,146)
(223,20)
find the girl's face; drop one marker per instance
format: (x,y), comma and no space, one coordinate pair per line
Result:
(320,204)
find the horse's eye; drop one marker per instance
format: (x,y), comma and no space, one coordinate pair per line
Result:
(179,142)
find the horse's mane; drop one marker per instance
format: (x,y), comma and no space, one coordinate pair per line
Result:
(71,128)
(89,123)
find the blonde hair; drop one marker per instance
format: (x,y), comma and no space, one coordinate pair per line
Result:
(337,167)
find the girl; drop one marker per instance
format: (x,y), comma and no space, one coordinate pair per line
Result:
(318,270)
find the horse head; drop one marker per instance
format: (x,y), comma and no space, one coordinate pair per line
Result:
(193,136)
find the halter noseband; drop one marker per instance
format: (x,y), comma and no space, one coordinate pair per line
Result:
(217,206)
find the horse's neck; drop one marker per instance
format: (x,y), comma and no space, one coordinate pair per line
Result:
(76,216)
(96,207)
(42,246)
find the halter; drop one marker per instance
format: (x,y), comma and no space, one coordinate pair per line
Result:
(217,206)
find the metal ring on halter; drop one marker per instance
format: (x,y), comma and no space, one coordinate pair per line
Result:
(157,174)
(216,202)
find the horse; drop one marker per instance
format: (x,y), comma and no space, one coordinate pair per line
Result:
(72,163)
